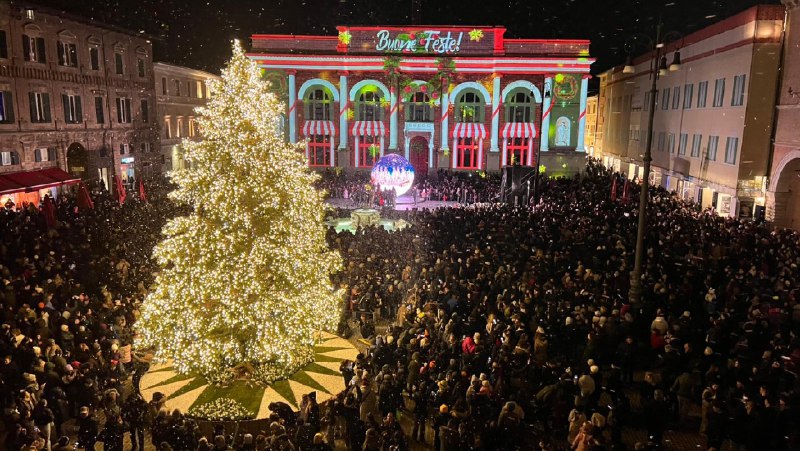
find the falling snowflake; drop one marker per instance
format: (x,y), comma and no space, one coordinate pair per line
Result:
(475,35)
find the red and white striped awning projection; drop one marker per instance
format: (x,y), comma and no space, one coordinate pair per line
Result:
(368,128)
(519,130)
(319,128)
(469,130)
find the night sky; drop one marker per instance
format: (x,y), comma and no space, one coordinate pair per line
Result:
(196,33)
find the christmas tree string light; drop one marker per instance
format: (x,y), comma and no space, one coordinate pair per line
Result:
(245,279)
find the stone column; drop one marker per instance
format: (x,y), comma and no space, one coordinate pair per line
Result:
(445,113)
(544,141)
(495,112)
(293,101)
(344,103)
(581,147)
(393,107)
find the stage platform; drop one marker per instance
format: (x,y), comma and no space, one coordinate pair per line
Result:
(403,203)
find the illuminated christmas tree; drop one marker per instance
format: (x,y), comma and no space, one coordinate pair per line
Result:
(245,281)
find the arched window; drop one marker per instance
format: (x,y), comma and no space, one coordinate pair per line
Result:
(368,106)
(119,59)
(519,106)
(33,45)
(318,105)
(519,132)
(469,107)
(418,108)
(94,52)
(67,49)
(141,62)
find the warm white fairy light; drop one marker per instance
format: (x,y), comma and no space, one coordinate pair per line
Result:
(245,278)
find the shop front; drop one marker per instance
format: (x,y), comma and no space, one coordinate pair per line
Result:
(463,98)
(127,171)
(29,187)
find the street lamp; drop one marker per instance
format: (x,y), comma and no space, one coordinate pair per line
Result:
(660,69)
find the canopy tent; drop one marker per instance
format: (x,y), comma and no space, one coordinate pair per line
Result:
(29,181)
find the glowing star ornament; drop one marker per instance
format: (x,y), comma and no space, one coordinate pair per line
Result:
(476,35)
(344,37)
(393,171)
(245,278)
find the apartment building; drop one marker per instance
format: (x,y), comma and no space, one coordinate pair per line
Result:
(179,91)
(713,118)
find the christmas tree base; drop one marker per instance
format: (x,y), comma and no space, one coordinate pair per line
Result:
(244,398)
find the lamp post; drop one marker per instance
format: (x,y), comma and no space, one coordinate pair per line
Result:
(660,68)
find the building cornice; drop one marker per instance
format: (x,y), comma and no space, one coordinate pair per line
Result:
(171,69)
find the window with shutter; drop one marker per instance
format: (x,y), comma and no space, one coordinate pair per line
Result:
(46,106)
(3,45)
(94,58)
(26,48)
(41,54)
(6,108)
(99,111)
(145,112)
(118,64)
(62,57)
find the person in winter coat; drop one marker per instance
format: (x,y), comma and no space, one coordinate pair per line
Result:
(113,433)
(134,412)
(88,429)
(576,420)
(43,419)
(656,417)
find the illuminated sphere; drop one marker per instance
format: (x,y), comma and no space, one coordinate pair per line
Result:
(393,171)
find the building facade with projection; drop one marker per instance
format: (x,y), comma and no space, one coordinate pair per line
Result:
(462,98)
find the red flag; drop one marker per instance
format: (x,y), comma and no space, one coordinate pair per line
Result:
(121,194)
(142,194)
(49,212)
(626,195)
(84,200)
(614,189)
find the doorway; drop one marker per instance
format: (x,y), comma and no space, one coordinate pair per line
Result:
(418,155)
(77,160)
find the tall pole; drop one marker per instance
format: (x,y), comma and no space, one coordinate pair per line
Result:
(635,293)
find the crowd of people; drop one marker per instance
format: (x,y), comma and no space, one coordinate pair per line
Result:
(462,187)
(491,327)
(512,329)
